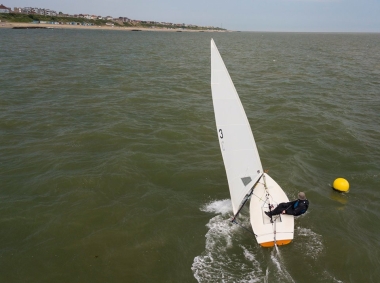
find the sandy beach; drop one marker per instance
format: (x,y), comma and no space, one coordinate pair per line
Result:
(52,26)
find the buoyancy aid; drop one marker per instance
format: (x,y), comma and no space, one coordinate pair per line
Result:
(300,207)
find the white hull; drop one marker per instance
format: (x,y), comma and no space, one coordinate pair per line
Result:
(268,233)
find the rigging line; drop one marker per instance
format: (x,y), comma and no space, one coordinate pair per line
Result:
(274,233)
(270,211)
(265,182)
(259,197)
(246,198)
(267,197)
(241,226)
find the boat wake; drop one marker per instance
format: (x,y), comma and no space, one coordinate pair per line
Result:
(279,264)
(309,242)
(224,259)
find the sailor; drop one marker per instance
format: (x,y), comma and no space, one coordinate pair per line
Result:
(296,207)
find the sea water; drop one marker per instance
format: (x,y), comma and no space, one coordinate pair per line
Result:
(111,169)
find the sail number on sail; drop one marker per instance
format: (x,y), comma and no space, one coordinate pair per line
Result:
(221,133)
(221,137)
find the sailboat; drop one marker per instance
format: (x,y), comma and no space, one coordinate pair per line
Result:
(246,179)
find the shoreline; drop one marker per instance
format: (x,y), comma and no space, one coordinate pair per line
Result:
(52,26)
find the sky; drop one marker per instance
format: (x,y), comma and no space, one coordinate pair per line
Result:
(241,15)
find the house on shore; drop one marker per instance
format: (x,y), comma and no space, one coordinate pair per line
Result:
(4,9)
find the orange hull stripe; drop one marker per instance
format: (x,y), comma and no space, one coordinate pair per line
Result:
(279,243)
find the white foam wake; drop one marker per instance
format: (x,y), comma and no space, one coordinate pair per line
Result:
(218,206)
(309,241)
(280,266)
(225,259)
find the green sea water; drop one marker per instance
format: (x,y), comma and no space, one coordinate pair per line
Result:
(110,167)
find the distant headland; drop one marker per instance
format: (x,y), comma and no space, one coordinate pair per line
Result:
(29,17)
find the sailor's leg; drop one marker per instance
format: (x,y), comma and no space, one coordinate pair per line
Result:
(279,209)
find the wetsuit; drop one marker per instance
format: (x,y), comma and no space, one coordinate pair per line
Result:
(295,208)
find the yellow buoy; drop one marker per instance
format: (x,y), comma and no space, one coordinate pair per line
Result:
(341,184)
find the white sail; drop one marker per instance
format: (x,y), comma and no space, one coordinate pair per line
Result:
(242,161)
(240,155)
